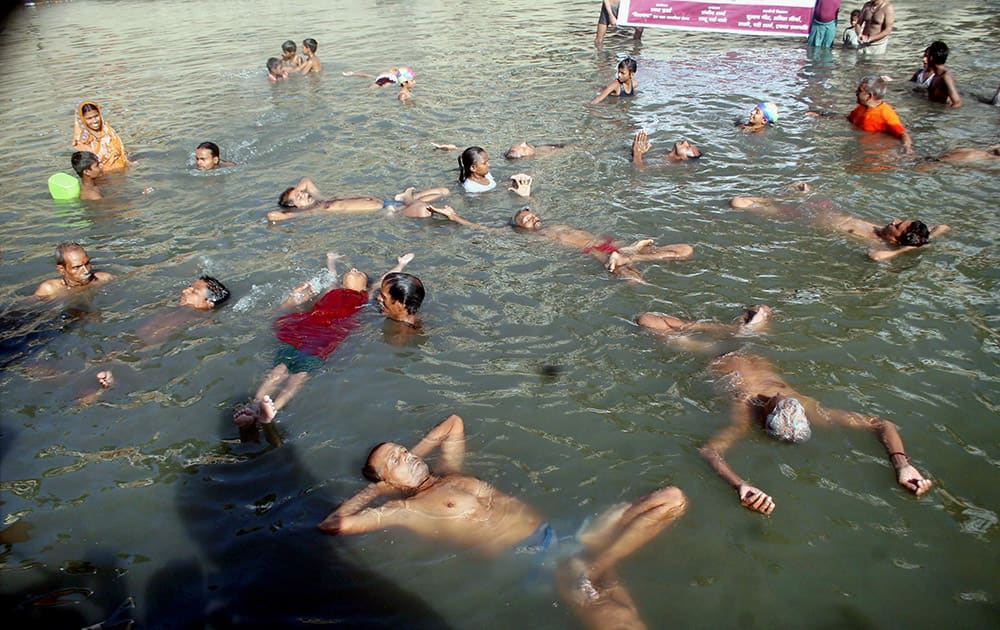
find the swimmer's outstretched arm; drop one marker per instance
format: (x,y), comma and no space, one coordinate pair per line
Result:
(351,73)
(906,475)
(299,295)
(605,92)
(449,436)
(401,264)
(750,497)
(449,213)
(879,254)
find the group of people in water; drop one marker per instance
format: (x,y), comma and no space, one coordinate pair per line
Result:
(447,504)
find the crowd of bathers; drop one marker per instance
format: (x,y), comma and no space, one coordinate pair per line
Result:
(318,323)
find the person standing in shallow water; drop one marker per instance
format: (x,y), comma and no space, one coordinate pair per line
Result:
(823,31)
(877,18)
(93,134)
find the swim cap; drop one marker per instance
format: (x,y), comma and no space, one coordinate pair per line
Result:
(403,75)
(770,111)
(788,422)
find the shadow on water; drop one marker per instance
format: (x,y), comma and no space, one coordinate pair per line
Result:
(261,562)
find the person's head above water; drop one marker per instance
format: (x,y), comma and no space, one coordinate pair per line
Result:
(473,161)
(394,464)
(206,156)
(274,66)
(764,113)
(526,219)
(912,233)
(288,49)
(685,150)
(310,45)
(788,422)
(73,264)
(871,85)
(400,295)
(84,161)
(295,198)
(90,112)
(937,53)
(204,294)
(355,280)
(626,69)
(404,75)
(519,151)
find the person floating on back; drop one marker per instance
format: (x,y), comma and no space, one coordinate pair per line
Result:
(402,76)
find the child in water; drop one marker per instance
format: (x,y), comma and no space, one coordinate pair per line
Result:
(762,115)
(311,63)
(853,32)
(275,71)
(291,60)
(624,83)
(402,76)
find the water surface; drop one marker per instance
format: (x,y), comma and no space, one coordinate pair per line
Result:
(146,495)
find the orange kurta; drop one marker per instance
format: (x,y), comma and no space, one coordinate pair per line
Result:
(877,119)
(105,144)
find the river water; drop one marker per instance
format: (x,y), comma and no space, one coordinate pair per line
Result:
(146,494)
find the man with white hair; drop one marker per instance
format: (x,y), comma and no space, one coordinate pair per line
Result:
(763,398)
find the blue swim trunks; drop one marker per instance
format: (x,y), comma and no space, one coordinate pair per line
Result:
(392,203)
(542,542)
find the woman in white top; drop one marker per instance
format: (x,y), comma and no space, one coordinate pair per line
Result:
(474,170)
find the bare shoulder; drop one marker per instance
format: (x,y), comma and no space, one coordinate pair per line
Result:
(102,276)
(48,288)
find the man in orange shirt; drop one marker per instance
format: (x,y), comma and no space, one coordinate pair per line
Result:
(874,115)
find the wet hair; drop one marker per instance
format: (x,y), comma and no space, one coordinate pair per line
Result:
(874,85)
(369,471)
(406,289)
(285,198)
(273,65)
(211,146)
(89,107)
(62,248)
(856,13)
(217,292)
(288,46)
(629,64)
(937,53)
(514,223)
(916,235)
(467,160)
(310,43)
(82,160)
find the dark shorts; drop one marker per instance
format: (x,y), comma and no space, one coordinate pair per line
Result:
(296,360)
(605,19)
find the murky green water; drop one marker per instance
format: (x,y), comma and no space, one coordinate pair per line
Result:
(145,495)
